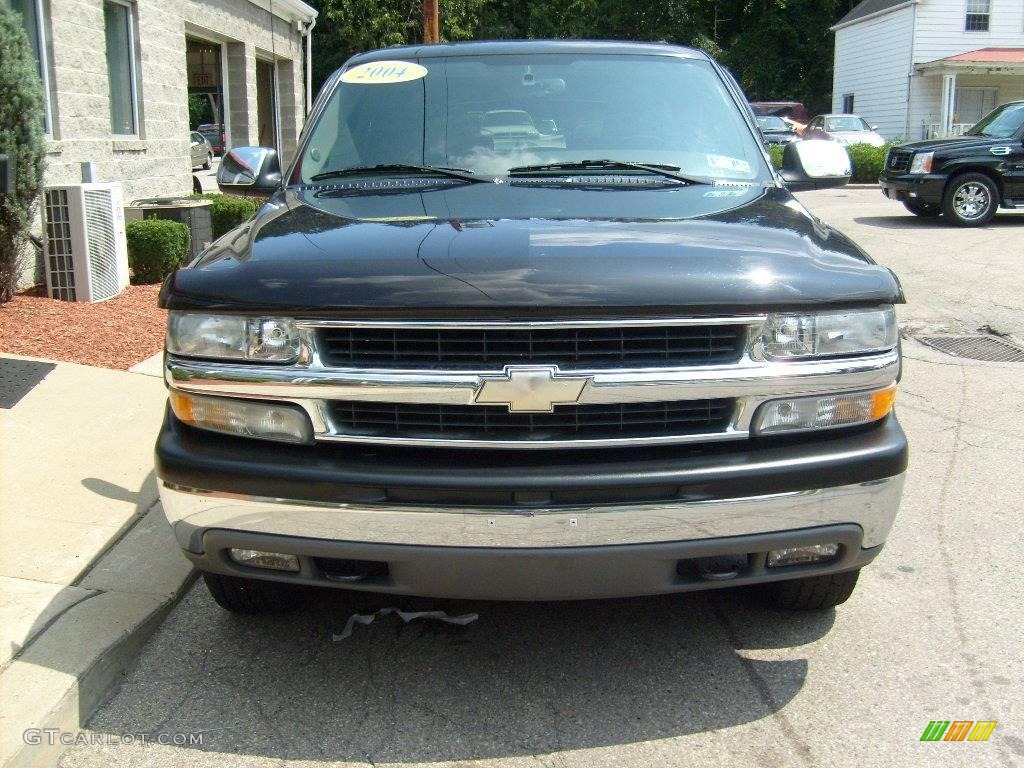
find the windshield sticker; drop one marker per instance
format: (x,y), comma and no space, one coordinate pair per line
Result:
(384,73)
(723,163)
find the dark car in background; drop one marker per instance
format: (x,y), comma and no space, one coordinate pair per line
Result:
(792,110)
(214,133)
(964,178)
(775,130)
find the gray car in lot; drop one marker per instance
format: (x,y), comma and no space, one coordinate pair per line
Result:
(201,151)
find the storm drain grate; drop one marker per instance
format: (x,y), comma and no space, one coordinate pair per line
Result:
(988,348)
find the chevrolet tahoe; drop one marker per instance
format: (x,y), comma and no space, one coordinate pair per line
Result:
(613,357)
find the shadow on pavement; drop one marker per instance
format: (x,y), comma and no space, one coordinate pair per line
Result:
(919,222)
(523,679)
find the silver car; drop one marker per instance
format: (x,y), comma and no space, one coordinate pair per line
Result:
(846,129)
(202,152)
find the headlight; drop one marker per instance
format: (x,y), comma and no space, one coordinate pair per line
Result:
(829,334)
(232,337)
(805,414)
(922,162)
(249,418)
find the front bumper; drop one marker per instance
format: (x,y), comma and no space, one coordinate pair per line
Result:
(342,505)
(925,188)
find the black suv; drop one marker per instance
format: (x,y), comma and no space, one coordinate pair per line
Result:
(966,177)
(532,321)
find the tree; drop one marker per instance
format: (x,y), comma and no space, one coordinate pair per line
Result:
(21,138)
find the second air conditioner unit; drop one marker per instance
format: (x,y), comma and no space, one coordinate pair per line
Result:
(86,253)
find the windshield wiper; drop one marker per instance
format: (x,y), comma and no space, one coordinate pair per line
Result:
(387,168)
(661,169)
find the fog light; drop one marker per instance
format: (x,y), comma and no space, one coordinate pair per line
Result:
(249,418)
(803,414)
(813,553)
(255,558)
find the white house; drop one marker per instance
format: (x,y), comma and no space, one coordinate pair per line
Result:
(924,68)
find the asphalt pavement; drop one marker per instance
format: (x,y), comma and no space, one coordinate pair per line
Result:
(932,632)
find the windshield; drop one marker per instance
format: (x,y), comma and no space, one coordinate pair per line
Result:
(772,123)
(490,113)
(847,123)
(1001,123)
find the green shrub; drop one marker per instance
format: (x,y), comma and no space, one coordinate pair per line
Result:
(775,151)
(21,139)
(867,161)
(156,247)
(228,211)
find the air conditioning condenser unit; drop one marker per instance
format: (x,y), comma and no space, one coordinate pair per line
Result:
(86,252)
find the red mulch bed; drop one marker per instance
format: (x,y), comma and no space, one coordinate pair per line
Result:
(111,334)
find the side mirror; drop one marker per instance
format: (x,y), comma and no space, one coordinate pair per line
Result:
(249,171)
(874,127)
(815,164)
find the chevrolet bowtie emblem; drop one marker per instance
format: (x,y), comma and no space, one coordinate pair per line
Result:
(531,388)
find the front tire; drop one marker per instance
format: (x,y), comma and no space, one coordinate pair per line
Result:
(813,593)
(250,596)
(209,162)
(971,200)
(925,210)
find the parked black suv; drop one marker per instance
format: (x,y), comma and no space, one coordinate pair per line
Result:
(967,177)
(532,320)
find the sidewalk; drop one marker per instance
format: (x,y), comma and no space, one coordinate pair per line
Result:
(88,564)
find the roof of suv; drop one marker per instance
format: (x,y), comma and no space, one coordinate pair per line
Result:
(525,47)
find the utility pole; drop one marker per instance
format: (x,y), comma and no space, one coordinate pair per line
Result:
(431,22)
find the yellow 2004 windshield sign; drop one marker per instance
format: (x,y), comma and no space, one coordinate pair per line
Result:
(383,73)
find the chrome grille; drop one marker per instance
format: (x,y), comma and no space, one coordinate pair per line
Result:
(568,347)
(898,160)
(566,422)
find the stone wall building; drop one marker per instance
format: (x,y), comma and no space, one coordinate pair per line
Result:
(118,77)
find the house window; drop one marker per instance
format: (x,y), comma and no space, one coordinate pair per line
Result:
(118,26)
(972,104)
(847,103)
(978,12)
(32,20)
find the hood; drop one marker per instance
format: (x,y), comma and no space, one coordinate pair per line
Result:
(858,137)
(529,249)
(957,143)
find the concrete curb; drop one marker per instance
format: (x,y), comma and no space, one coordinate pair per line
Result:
(59,678)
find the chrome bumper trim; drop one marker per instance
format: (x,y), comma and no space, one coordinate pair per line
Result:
(751,382)
(871,505)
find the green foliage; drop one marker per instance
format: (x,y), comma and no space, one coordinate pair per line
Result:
(21,138)
(228,211)
(867,161)
(775,152)
(199,110)
(777,49)
(156,247)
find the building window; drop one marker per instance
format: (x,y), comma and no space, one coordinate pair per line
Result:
(972,104)
(847,103)
(978,12)
(32,20)
(118,26)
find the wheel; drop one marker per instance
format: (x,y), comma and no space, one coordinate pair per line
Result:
(239,595)
(813,593)
(197,186)
(209,161)
(926,210)
(971,200)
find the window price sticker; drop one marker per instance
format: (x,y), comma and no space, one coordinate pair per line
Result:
(383,73)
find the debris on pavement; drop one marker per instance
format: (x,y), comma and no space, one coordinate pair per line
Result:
(406,616)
